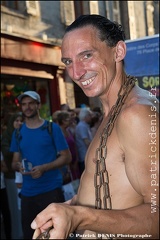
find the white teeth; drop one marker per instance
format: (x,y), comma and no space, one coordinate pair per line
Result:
(87,82)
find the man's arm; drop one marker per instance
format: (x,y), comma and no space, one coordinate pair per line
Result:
(138,135)
(3,166)
(16,163)
(37,171)
(64,159)
(65,219)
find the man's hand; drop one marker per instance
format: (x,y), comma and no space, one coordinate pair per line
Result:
(61,216)
(19,168)
(37,171)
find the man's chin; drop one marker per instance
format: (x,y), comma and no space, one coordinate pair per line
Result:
(29,116)
(89,93)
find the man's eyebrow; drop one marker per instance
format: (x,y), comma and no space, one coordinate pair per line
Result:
(85,52)
(63,59)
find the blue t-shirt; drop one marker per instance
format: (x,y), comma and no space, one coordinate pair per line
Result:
(36,145)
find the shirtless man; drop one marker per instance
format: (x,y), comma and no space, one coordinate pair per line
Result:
(93,50)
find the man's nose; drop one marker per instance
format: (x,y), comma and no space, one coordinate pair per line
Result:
(78,70)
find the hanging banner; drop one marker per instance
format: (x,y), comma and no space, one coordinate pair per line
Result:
(142,61)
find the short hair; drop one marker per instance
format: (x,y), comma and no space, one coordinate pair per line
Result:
(54,115)
(63,115)
(64,106)
(84,112)
(109,31)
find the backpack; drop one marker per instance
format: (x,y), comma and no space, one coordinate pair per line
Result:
(48,126)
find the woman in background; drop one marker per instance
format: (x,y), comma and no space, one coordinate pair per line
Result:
(64,120)
(15,121)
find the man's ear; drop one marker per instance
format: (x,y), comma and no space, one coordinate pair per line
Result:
(120,51)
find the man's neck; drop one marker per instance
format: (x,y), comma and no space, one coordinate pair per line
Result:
(111,96)
(34,122)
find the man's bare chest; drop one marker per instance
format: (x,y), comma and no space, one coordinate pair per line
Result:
(119,184)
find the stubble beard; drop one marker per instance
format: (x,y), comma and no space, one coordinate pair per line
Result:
(31,116)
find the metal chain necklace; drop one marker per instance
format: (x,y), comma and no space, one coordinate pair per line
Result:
(101,178)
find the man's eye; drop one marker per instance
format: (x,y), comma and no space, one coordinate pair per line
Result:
(88,55)
(67,62)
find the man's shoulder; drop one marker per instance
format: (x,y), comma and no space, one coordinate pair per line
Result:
(79,128)
(81,124)
(18,132)
(137,113)
(139,103)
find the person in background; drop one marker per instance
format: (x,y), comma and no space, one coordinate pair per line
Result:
(15,121)
(5,210)
(73,121)
(64,120)
(118,196)
(95,123)
(19,182)
(64,107)
(83,135)
(54,115)
(38,146)
(98,109)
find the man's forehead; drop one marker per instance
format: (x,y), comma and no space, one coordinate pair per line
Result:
(80,39)
(87,30)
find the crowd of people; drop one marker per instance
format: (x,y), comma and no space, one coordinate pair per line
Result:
(79,126)
(26,193)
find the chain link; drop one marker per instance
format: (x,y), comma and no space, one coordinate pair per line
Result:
(101,178)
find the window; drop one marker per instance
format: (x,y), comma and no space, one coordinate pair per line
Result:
(10,4)
(33,8)
(93,7)
(116,11)
(67,12)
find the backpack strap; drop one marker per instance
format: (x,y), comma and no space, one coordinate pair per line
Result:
(50,131)
(49,127)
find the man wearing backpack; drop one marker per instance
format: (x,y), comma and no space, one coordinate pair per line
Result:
(38,148)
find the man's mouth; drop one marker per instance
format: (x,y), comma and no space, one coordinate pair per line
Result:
(88,81)
(28,111)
